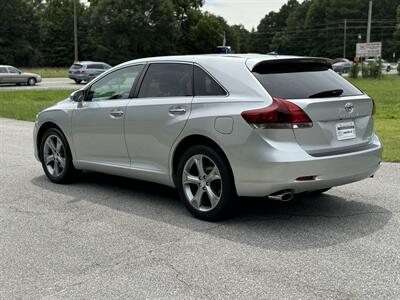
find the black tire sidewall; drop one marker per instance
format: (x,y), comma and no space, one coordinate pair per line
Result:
(69,170)
(228,197)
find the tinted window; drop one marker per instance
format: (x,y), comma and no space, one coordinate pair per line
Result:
(3,70)
(167,80)
(116,85)
(13,70)
(204,85)
(94,67)
(106,67)
(301,80)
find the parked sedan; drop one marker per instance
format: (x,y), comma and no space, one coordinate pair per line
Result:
(216,127)
(11,75)
(341,65)
(87,70)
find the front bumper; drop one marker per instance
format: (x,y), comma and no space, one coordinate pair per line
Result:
(263,178)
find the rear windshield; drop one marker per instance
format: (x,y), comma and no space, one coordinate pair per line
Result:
(296,80)
(76,66)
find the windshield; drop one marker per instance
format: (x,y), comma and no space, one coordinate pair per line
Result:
(76,66)
(293,80)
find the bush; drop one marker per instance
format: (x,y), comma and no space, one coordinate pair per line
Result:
(372,70)
(354,70)
(398,68)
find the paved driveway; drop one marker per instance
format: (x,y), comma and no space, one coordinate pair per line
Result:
(109,237)
(46,84)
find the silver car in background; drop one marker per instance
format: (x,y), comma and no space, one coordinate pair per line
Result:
(216,127)
(11,75)
(87,70)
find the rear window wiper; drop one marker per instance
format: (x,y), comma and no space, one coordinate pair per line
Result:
(325,94)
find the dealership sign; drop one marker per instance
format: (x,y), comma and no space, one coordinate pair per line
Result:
(369,49)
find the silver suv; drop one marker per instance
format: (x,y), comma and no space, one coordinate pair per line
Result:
(86,70)
(215,127)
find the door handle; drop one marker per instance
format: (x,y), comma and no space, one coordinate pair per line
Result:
(116,113)
(177,110)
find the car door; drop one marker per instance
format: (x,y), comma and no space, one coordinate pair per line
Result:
(158,114)
(3,75)
(15,76)
(98,122)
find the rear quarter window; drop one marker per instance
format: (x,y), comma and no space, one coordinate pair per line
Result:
(295,80)
(205,85)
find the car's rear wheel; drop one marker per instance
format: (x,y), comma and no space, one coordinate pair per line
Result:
(56,157)
(78,81)
(31,81)
(205,183)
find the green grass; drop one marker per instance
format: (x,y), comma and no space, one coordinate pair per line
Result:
(48,72)
(24,105)
(386,93)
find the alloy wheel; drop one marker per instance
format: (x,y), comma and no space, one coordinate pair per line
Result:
(202,183)
(54,155)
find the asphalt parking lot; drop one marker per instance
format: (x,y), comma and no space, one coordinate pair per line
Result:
(106,237)
(46,84)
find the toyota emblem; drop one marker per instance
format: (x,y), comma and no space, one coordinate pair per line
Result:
(349,107)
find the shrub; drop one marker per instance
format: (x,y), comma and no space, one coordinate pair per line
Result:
(354,70)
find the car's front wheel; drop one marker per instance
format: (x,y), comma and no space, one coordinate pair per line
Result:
(77,81)
(205,183)
(56,157)
(31,81)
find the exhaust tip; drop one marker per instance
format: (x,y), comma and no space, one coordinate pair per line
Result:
(284,196)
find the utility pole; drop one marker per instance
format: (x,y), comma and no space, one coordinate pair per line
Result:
(369,22)
(344,38)
(75,32)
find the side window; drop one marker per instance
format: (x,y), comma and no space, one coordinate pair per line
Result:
(3,70)
(116,85)
(204,85)
(13,70)
(106,67)
(167,80)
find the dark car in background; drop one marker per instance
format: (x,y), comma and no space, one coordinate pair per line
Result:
(87,70)
(11,75)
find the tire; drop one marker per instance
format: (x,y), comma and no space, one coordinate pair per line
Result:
(78,81)
(214,184)
(31,81)
(61,168)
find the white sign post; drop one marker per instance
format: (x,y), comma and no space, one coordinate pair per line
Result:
(369,49)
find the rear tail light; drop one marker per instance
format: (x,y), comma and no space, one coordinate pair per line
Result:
(280,114)
(373,106)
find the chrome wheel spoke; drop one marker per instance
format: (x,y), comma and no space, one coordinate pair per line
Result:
(212,197)
(56,169)
(58,145)
(49,159)
(199,164)
(190,179)
(61,161)
(51,145)
(213,175)
(196,200)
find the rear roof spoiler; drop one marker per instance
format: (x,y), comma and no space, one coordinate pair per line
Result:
(253,63)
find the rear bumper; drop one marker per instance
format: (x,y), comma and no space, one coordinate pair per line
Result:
(266,177)
(82,77)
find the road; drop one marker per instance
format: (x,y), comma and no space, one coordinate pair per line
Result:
(46,84)
(106,237)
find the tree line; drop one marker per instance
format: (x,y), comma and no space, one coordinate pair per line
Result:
(40,33)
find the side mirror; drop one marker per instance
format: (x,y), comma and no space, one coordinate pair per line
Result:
(77,96)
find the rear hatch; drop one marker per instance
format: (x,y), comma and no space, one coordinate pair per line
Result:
(75,68)
(341,114)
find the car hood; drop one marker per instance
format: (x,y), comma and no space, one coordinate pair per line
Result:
(31,74)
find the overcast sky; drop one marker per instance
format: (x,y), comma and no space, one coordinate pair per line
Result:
(249,13)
